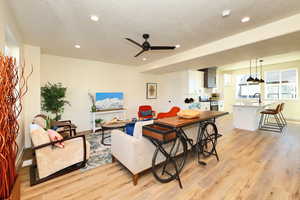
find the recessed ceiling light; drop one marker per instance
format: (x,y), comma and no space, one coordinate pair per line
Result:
(77,46)
(144,59)
(245,19)
(177,45)
(94,18)
(226,13)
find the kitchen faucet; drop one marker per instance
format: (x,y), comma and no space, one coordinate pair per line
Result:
(259,96)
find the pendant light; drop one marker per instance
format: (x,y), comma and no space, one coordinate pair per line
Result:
(256,78)
(250,79)
(261,75)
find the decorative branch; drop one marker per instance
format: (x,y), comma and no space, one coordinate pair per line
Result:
(13,86)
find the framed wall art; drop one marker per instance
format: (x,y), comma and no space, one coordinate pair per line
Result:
(151,91)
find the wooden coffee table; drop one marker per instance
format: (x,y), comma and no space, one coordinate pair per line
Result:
(111,126)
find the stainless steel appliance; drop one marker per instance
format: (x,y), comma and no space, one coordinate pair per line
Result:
(214,105)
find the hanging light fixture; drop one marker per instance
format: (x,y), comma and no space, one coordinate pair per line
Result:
(261,75)
(250,79)
(256,78)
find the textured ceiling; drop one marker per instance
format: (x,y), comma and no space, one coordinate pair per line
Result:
(57,25)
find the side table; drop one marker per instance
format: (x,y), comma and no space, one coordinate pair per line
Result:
(112,126)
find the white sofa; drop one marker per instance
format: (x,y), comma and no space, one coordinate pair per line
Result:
(135,152)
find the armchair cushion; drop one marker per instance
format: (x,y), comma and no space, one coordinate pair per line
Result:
(38,135)
(146,113)
(40,120)
(50,160)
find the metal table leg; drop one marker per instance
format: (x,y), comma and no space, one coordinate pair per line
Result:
(103,138)
(173,161)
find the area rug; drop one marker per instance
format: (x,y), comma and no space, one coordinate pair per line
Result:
(99,154)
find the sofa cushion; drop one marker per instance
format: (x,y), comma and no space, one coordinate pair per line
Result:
(38,135)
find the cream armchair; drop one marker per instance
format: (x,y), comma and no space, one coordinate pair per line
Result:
(136,152)
(50,161)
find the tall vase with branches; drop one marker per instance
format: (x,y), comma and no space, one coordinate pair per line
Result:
(53,99)
(13,86)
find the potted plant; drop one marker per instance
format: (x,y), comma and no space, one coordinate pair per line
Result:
(53,99)
(98,122)
(12,88)
(93,107)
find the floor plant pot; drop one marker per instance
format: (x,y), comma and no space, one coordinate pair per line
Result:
(15,192)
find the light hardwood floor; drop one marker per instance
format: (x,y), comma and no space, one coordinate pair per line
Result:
(252,166)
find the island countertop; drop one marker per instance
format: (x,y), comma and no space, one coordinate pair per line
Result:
(253,104)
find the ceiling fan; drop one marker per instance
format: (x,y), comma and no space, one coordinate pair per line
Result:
(146,45)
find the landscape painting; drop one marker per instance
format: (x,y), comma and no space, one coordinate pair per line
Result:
(109,100)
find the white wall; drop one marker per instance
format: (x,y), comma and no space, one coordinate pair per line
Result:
(32,100)
(175,88)
(8,24)
(83,76)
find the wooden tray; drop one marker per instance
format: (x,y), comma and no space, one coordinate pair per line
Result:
(159,132)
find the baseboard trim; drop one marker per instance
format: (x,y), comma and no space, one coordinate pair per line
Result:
(20,158)
(27,163)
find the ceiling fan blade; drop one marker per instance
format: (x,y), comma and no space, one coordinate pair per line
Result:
(139,53)
(162,47)
(134,42)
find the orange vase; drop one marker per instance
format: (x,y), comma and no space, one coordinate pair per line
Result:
(15,193)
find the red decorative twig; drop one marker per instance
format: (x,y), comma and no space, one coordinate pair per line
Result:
(13,86)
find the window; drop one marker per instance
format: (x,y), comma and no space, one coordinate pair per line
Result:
(281,84)
(245,89)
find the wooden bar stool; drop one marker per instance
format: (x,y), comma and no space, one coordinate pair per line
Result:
(265,124)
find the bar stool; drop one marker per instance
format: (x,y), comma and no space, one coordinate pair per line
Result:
(265,124)
(280,115)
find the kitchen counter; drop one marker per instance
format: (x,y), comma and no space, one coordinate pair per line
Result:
(253,104)
(246,114)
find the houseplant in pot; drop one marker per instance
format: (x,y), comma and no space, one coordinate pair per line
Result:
(12,89)
(53,99)
(93,107)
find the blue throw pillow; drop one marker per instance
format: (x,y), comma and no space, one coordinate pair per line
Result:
(129,128)
(146,113)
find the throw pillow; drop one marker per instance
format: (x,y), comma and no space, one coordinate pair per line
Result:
(129,128)
(146,113)
(55,136)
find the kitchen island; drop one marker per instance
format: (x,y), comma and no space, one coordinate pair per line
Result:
(246,115)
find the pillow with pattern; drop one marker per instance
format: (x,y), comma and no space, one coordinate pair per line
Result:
(55,136)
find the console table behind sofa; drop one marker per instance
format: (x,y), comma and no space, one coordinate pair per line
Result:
(139,150)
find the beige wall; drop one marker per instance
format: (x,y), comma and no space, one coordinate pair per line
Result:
(292,108)
(83,76)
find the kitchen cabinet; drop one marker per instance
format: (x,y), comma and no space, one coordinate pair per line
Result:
(210,77)
(195,81)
